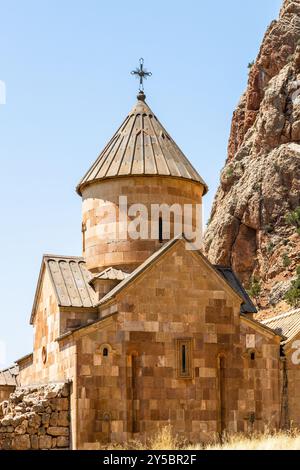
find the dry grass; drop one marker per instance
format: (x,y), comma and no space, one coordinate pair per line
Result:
(267,441)
(165,440)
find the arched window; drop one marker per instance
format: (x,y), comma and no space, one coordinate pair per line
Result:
(104,350)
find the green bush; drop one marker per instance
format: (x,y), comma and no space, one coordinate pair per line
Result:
(286,260)
(254,288)
(229,172)
(269,228)
(293,218)
(293,294)
(209,221)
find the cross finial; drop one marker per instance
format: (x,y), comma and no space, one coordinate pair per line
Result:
(142,74)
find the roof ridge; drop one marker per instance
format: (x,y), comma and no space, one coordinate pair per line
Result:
(47,255)
(165,247)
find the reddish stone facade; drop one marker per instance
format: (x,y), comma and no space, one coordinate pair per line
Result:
(103,221)
(125,367)
(137,388)
(161,336)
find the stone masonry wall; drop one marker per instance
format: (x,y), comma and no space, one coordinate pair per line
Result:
(101,203)
(36,418)
(135,388)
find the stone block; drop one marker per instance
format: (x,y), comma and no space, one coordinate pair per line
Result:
(58,431)
(22,428)
(63,441)
(45,442)
(54,418)
(34,440)
(22,442)
(63,418)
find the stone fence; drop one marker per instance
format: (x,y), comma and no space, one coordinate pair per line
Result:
(36,418)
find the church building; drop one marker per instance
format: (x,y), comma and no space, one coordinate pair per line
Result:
(147,332)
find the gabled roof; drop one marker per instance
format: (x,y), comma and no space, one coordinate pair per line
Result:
(110,273)
(70,281)
(286,324)
(9,376)
(229,275)
(232,281)
(257,324)
(141,147)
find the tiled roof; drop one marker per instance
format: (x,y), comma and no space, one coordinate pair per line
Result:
(141,146)
(229,275)
(287,324)
(111,274)
(70,280)
(232,280)
(9,376)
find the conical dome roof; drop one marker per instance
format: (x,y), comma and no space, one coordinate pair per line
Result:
(141,147)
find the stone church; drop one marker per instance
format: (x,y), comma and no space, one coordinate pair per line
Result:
(145,332)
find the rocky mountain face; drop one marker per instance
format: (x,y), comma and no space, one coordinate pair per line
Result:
(253,226)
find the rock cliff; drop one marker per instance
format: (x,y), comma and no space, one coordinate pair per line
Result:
(253,226)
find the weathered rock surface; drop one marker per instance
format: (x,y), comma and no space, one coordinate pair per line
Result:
(36,418)
(260,183)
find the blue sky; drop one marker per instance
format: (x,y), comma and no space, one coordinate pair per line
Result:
(66,65)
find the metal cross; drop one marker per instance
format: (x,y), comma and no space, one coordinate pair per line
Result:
(142,74)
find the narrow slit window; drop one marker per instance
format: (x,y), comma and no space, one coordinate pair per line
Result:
(184,358)
(160,229)
(83,230)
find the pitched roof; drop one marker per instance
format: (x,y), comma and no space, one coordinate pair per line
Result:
(111,274)
(9,376)
(70,281)
(229,275)
(259,325)
(286,324)
(141,146)
(232,281)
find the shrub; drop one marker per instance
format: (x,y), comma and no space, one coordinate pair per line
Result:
(293,218)
(209,221)
(286,260)
(255,288)
(269,228)
(229,171)
(293,294)
(270,248)
(250,65)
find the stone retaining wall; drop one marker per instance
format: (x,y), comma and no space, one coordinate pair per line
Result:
(36,418)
